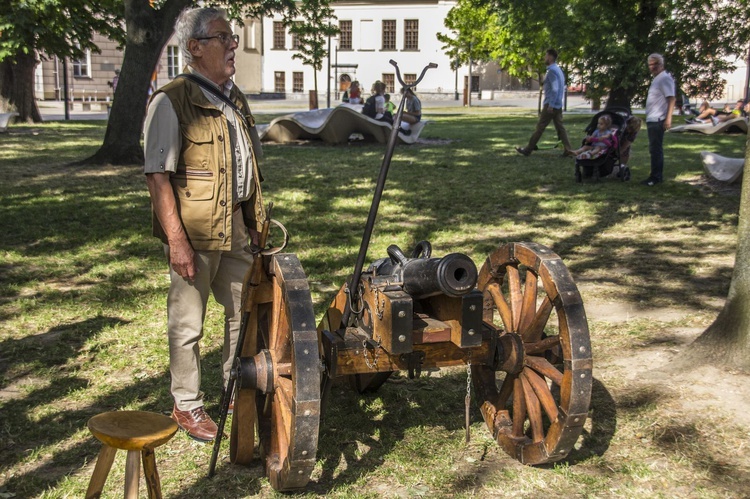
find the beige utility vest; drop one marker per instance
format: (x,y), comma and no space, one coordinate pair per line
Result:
(202,183)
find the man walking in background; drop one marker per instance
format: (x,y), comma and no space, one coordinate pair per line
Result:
(554,90)
(659,109)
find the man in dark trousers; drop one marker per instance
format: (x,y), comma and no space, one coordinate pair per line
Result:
(554,90)
(659,109)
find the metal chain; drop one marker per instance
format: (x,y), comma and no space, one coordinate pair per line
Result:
(467,400)
(375,356)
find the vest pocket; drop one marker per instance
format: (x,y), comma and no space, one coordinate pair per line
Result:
(194,195)
(196,146)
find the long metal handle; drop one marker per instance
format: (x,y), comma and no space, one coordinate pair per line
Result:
(354,284)
(250,283)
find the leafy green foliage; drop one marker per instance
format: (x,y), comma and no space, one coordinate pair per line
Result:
(312,33)
(606,43)
(61,28)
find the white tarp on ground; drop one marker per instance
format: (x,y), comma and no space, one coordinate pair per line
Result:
(334,126)
(721,168)
(737,125)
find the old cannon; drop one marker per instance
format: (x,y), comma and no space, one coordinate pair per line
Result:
(517,324)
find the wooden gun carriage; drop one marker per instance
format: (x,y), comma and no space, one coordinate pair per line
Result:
(517,323)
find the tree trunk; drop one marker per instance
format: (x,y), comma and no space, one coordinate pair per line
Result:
(539,97)
(6,81)
(726,342)
(148,31)
(315,86)
(618,97)
(17,87)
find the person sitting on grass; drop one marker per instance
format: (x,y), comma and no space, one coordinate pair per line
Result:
(598,142)
(713,116)
(355,93)
(737,112)
(389,106)
(412,113)
(704,113)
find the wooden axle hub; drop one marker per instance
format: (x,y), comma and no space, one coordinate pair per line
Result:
(522,327)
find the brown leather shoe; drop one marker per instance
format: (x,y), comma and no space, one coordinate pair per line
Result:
(197,423)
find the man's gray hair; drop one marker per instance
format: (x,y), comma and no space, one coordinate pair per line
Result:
(193,23)
(658,58)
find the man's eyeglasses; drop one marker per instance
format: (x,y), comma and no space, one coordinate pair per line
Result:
(224,38)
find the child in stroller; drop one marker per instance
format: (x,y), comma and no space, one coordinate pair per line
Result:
(624,127)
(598,142)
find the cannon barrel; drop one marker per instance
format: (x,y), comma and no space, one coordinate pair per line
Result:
(453,275)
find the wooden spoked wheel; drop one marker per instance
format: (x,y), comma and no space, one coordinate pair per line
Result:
(535,399)
(289,410)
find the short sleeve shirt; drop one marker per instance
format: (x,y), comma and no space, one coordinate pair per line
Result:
(662,87)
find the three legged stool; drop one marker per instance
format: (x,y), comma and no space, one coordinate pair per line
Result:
(137,432)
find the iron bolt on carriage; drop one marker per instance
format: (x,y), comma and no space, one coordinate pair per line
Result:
(517,323)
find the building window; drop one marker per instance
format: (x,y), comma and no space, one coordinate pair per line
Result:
(251,31)
(475,83)
(82,67)
(279,82)
(411,34)
(295,39)
(409,79)
(389,81)
(298,82)
(174,61)
(279,36)
(389,35)
(345,37)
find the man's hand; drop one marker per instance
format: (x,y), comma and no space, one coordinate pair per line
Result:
(182,260)
(181,254)
(668,123)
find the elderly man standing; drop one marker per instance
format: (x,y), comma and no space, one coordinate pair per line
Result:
(554,90)
(659,109)
(204,182)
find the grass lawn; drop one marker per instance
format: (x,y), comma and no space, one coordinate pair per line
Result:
(83,295)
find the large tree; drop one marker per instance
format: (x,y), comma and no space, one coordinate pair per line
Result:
(149,26)
(607,42)
(312,32)
(727,341)
(516,35)
(59,28)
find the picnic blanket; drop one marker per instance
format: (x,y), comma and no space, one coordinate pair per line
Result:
(334,126)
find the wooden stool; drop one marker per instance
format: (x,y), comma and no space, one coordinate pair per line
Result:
(133,431)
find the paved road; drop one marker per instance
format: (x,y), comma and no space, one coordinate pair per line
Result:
(55,111)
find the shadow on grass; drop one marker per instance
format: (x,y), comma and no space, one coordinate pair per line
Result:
(404,419)
(603,417)
(480,184)
(470,195)
(40,442)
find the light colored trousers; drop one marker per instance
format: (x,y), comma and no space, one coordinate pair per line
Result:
(219,272)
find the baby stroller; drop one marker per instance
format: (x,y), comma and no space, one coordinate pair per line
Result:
(609,163)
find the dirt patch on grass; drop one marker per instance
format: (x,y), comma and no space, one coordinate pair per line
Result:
(705,388)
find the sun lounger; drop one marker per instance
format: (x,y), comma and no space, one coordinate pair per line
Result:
(737,125)
(333,126)
(5,119)
(721,168)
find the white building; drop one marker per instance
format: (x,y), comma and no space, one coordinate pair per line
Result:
(372,33)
